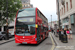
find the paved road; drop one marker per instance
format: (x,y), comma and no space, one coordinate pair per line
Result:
(45,45)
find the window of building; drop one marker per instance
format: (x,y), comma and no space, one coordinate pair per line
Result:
(28,5)
(60,12)
(24,1)
(24,5)
(70,3)
(64,9)
(67,5)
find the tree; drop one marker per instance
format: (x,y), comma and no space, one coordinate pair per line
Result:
(13,7)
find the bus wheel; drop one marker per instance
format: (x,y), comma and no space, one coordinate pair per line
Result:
(41,38)
(3,38)
(47,35)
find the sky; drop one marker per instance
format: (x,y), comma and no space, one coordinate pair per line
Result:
(47,7)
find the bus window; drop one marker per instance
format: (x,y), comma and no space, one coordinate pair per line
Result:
(41,28)
(26,12)
(25,30)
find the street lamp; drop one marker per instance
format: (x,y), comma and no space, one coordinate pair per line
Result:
(51,20)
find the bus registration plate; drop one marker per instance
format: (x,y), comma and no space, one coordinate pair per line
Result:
(24,42)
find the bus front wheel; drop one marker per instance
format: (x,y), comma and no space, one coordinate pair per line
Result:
(41,38)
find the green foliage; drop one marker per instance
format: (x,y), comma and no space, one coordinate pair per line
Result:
(13,7)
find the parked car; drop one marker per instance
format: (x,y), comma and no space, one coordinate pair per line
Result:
(3,35)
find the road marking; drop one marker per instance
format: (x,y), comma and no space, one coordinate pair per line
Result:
(53,46)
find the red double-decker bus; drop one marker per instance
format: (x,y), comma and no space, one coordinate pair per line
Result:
(31,26)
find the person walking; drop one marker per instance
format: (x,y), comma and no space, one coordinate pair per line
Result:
(62,31)
(62,34)
(70,33)
(57,31)
(65,36)
(67,32)
(59,34)
(54,31)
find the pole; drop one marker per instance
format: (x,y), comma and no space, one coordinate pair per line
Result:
(58,13)
(51,21)
(7,20)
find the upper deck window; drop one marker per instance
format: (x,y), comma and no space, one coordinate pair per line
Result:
(26,12)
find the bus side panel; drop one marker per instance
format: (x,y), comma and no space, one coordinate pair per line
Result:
(15,22)
(36,22)
(36,16)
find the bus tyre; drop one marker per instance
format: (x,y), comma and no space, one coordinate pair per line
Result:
(41,38)
(3,38)
(47,35)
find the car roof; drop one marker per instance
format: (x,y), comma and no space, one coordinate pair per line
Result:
(2,31)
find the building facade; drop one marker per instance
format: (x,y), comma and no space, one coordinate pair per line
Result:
(26,4)
(67,13)
(52,24)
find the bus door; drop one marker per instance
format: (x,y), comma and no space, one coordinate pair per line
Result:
(38,34)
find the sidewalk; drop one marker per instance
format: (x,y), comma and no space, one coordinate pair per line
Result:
(6,41)
(64,46)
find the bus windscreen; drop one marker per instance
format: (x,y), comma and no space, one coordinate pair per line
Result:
(26,12)
(25,30)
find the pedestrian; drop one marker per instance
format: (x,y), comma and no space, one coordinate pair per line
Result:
(67,32)
(70,33)
(59,34)
(51,29)
(54,31)
(57,31)
(62,31)
(64,37)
